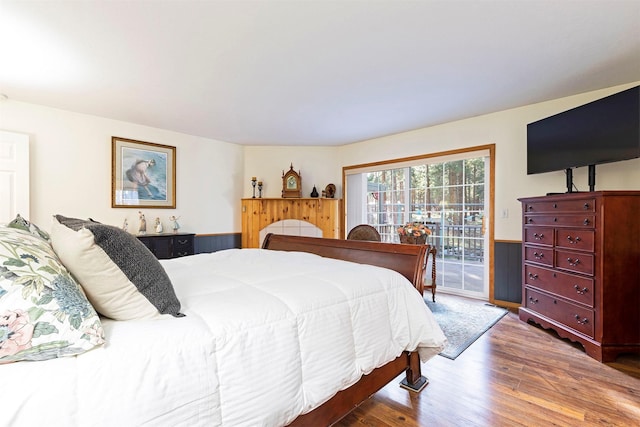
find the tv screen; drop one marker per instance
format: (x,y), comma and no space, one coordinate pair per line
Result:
(602,131)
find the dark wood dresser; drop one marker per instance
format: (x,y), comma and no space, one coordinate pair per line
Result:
(165,246)
(581,269)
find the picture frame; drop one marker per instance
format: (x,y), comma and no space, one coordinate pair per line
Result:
(143,174)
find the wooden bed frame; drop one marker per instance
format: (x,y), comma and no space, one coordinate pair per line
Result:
(408,260)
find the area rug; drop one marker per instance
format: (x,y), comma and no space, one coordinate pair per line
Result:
(462,322)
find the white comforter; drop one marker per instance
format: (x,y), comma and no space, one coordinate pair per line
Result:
(268,336)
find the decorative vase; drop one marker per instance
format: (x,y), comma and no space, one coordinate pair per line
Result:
(414,240)
(314,192)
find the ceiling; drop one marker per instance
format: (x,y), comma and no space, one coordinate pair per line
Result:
(310,72)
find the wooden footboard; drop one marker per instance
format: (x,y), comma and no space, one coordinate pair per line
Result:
(347,400)
(408,260)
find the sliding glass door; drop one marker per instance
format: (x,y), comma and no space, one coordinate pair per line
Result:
(448,196)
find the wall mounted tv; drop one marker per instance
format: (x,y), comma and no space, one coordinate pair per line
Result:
(602,131)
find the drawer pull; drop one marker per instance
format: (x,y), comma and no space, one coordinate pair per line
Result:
(555,219)
(583,321)
(530,220)
(573,241)
(529,207)
(586,206)
(533,276)
(533,300)
(580,291)
(586,221)
(183,242)
(537,255)
(573,262)
(538,236)
(555,205)
(183,253)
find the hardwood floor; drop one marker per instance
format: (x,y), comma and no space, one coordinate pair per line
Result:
(516,374)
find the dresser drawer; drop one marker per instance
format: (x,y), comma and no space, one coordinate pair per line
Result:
(160,246)
(578,318)
(584,221)
(165,246)
(580,205)
(576,288)
(582,240)
(539,235)
(575,261)
(183,245)
(539,255)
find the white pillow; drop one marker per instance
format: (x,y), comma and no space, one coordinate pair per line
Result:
(121,277)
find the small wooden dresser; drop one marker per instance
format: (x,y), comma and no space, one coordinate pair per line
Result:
(165,246)
(581,269)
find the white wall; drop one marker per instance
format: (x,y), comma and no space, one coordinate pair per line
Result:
(71,170)
(71,164)
(318,166)
(507,130)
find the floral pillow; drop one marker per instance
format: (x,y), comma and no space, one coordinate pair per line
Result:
(43,312)
(23,224)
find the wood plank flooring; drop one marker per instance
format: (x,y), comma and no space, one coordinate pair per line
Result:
(516,374)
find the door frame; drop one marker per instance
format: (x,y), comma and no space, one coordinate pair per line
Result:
(482,150)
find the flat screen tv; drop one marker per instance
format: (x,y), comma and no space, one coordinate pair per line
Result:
(602,131)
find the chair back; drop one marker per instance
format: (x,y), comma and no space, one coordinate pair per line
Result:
(364,232)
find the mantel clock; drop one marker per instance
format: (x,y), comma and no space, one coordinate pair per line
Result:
(291,184)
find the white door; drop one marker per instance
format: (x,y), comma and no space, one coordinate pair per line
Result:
(14,176)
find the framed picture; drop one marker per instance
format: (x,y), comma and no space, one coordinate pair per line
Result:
(143,174)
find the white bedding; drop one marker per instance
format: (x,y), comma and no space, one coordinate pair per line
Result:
(267,336)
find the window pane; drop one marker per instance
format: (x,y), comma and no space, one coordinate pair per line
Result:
(453,173)
(434,199)
(475,196)
(418,196)
(373,177)
(418,176)
(435,175)
(453,197)
(474,171)
(399,180)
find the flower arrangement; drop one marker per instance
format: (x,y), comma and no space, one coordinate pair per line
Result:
(414,232)
(414,229)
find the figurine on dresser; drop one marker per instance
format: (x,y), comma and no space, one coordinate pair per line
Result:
(175,225)
(143,224)
(159,228)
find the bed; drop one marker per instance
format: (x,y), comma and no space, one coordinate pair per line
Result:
(296,333)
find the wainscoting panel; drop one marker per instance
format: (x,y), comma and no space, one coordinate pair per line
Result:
(216,242)
(507,284)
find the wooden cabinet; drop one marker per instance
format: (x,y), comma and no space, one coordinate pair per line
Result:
(165,246)
(581,269)
(259,213)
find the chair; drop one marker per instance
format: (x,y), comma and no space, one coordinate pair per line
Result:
(431,251)
(364,232)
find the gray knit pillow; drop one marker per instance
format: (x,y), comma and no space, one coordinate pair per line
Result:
(121,277)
